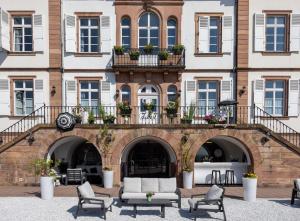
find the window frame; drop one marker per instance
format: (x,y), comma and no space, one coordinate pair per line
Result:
(148,29)
(22,26)
(89,90)
(126,93)
(24,89)
(89,28)
(171,93)
(207,90)
(176,30)
(125,27)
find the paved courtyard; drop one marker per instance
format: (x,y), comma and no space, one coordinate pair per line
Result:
(63,209)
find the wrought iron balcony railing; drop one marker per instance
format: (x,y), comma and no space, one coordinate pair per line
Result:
(157,58)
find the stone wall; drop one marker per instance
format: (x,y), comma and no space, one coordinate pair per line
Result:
(274,163)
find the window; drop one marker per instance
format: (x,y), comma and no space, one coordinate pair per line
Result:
(23,97)
(125,93)
(125,32)
(89,35)
(276,33)
(171,33)
(22,32)
(148,30)
(214,34)
(274,97)
(207,96)
(89,94)
(172,93)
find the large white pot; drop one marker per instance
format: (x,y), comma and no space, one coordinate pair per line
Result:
(108,178)
(84,116)
(187,180)
(250,186)
(47,187)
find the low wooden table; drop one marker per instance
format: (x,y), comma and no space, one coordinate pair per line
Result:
(154,202)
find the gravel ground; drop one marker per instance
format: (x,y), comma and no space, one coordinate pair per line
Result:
(63,209)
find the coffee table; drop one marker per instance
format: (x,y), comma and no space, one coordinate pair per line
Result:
(154,202)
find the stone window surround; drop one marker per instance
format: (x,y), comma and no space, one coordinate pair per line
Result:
(196,19)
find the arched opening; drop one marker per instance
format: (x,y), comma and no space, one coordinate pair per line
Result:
(221,153)
(76,152)
(148,157)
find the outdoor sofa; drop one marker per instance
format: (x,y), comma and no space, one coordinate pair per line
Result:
(296,191)
(163,188)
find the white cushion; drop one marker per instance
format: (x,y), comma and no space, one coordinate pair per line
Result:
(86,190)
(168,196)
(298,184)
(127,196)
(149,185)
(107,202)
(192,202)
(132,185)
(214,193)
(167,185)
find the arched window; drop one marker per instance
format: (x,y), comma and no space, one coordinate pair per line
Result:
(126,94)
(125,32)
(149,30)
(172,38)
(172,93)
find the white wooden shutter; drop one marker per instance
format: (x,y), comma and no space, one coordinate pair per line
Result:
(203,34)
(4,30)
(227,34)
(259,93)
(39,96)
(293,98)
(4,97)
(71,93)
(38,33)
(105,93)
(70,33)
(190,93)
(105,35)
(226,90)
(295,32)
(259,36)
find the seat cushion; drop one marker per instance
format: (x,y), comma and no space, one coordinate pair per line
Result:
(214,193)
(127,196)
(132,185)
(169,196)
(167,185)
(149,185)
(86,190)
(107,202)
(192,202)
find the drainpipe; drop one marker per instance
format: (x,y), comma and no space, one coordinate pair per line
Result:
(235,56)
(62,46)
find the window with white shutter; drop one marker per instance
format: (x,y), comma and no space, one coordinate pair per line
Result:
(259,32)
(258,93)
(105,34)
(4,31)
(227,34)
(71,93)
(39,96)
(203,34)
(190,93)
(295,32)
(5,97)
(38,33)
(70,33)
(293,104)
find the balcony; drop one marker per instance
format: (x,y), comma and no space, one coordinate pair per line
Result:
(157,59)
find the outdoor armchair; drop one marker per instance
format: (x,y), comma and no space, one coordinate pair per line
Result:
(88,199)
(213,197)
(296,191)
(75,175)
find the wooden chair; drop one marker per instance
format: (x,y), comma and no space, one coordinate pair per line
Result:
(75,175)
(89,200)
(296,191)
(213,197)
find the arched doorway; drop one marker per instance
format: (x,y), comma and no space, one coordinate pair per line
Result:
(221,153)
(148,100)
(76,152)
(148,157)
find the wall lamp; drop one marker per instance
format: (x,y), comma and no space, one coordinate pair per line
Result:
(1,140)
(53,91)
(242,91)
(265,139)
(117,93)
(30,139)
(179,93)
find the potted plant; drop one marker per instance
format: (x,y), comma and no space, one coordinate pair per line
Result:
(119,50)
(108,177)
(177,49)
(188,116)
(163,55)
(250,186)
(91,118)
(149,196)
(125,109)
(77,112)
(149,107)
(107,118)
(44,169)
(134,55)
(148,49)
(171,109)
(186,162)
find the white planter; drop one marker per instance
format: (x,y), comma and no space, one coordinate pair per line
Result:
(250,186)
(187,180)
(85,116)
(108,178)
(47,187)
